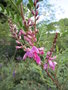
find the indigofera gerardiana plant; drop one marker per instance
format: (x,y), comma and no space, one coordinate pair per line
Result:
(30,48)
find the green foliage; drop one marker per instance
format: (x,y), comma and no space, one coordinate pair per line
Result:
(26,74)
(4,33)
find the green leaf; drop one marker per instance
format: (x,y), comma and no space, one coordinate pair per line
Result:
(12,14)
(20,23)
(18,2)
(7,11)
(15,6)
(31,2)
(2,7)
(29,6)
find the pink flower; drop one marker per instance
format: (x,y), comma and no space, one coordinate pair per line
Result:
(30,43)
(52,58)
(33,53)
(37,58)
(28,54)
(26,38)
(17,42)
(45,66)
(29,36)
(35,49)
(41,50)
(33,12)
(36,13)
(51,63)
(22,32)
(29,32)
(19,47)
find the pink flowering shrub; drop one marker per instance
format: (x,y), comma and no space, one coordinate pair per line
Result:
(30,48)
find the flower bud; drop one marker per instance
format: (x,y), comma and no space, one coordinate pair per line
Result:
(29,20)
(36,31)
(29,36)
(37,18)
(22,32)
(31,24)
(30,43)
(19,47)
(24,22)
(36,13)
(19,37)
(37,6)
(33,12)
(29,32)
(34,39)
(17,42)
(26,38)
(34,2)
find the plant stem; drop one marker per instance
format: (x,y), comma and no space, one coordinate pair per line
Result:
(54,80)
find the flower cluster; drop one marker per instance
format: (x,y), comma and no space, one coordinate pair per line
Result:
(50,61)
(30,37)
(15,34)
(13,28)
(33,53)
(49,57)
